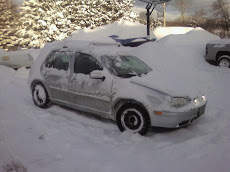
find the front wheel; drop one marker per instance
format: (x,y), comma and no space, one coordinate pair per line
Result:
(134,119)
(224,62)
(40,96)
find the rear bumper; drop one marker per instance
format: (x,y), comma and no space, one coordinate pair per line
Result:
(177,119)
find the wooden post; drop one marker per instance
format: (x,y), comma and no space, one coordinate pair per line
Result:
(148,24)
(164,16)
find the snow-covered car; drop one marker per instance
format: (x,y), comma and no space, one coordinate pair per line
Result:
(218,52)
(16,59)
(109,82)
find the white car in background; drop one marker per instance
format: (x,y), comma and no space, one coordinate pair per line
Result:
(16,59)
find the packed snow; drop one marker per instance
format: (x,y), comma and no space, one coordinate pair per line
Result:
(161,32)
(122,29)
(59,139)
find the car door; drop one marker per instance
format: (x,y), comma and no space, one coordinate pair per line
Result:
(93,95)
(56,74)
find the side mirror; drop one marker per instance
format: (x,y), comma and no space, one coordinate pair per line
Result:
(96,74)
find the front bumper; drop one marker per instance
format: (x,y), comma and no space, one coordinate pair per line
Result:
(210,61)
(177,119)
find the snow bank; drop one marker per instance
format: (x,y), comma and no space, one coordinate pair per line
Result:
(125,29)
(195,36)
(122,29)
(6,72)
(161,32)
(22,73)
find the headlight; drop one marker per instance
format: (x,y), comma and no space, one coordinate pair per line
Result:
(179,102)
(199,100)
(196,101)
(204,98)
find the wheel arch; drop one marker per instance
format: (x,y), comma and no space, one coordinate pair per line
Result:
(39,81)
(220,54)
(127,102)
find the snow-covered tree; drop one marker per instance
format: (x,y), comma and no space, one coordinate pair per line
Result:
(8,23)
(46,21)
(154,22)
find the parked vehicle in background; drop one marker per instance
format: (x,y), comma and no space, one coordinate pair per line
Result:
(218,52)
(110,83)
(16,59)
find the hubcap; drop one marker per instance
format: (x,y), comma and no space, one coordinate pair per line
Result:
(132,120)
(224,63)
(39,94)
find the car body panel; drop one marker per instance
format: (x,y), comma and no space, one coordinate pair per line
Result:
(178,119)
(215,49)
(57,82)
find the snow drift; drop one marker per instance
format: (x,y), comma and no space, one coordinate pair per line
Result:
(122,29)
(161,32)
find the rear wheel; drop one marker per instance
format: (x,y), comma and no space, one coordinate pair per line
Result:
(224,62)
(134,119)
(40,96)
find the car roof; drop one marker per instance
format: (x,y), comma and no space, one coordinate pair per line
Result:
(76,44)
(89,47)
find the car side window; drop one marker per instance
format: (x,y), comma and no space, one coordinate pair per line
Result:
(59,60)
(85,64)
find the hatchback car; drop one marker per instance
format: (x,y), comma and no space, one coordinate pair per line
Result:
(109,83)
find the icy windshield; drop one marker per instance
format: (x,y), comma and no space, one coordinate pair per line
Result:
(125,66)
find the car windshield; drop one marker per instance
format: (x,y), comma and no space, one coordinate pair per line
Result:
(125,66)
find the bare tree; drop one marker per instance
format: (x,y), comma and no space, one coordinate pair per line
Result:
(221,9)
(182,6)
(198,18)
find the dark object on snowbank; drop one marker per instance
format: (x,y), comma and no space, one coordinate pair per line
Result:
(131,42)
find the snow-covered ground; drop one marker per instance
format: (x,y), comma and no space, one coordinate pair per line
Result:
(59,139)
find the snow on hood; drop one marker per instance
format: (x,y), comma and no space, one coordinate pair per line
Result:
(176,61)
(173,87)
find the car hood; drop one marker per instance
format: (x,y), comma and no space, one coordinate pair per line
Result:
(167,86)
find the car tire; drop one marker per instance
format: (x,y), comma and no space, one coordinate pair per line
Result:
(224,61)
(133,118)
(40,95)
